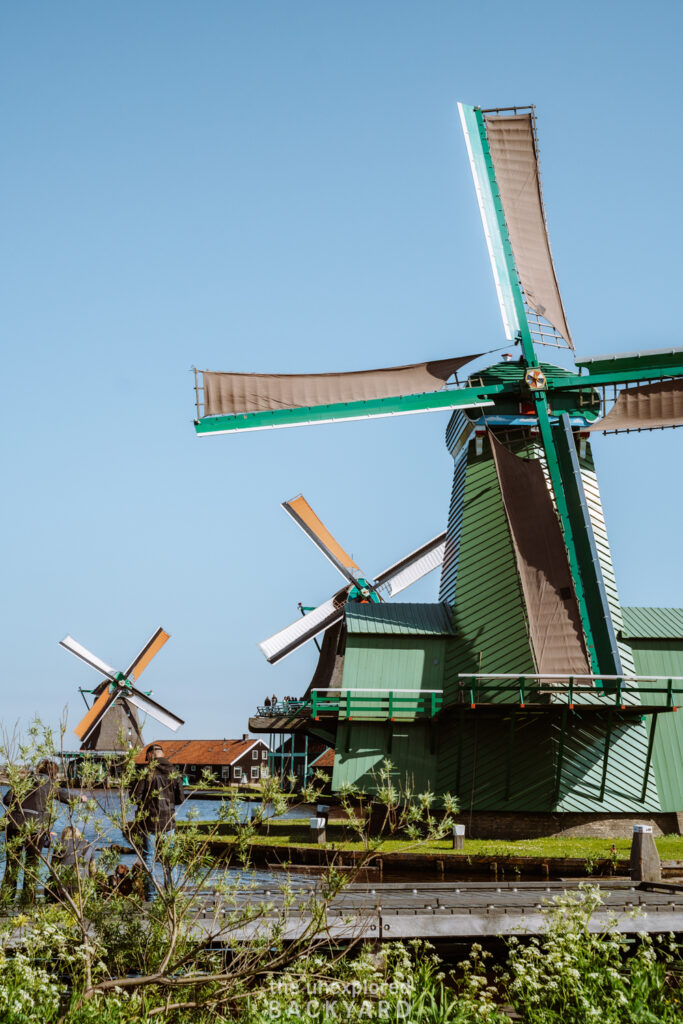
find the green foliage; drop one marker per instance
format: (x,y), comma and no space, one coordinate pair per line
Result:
(574,976)
(400,983)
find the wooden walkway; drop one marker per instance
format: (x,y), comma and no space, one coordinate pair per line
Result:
(438,911)
(467,910)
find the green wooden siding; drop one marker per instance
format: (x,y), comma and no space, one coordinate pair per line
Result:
(664,658)
(389,662)
(477,759)
(362,747)
(488,607)
(584,746)
(491,635)
(653,623)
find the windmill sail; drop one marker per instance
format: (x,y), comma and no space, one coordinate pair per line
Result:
(512,145)
(645,407)
(413,567)
(228,393)
(152,647)
(304,516)
(503,158)
(304,629)
(69,644)
(553,615)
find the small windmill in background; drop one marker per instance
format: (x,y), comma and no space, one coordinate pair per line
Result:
(112,721)
(358,588)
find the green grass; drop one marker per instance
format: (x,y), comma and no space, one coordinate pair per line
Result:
(291,833)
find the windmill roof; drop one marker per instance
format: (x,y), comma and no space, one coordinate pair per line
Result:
(400,619)
(652,623)
(324,760)
(201,751)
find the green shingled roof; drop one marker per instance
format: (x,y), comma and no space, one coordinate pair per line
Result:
(400,619)
(653,623)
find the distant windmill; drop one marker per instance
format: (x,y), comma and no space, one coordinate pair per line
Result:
(391,582)
(114,711)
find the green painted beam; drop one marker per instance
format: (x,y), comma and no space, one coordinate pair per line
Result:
(625,376)
(401,405)
(602,627)
(652,360)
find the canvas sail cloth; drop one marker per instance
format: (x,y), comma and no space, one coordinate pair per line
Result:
(645,407)
(228,393)
(513,151)
(552,612)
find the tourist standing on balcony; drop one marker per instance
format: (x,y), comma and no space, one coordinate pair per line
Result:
(156,792)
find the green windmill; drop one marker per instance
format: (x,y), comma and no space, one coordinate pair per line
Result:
(518,690)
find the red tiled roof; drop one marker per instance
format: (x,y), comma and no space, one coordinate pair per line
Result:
(325,760)
(201,751)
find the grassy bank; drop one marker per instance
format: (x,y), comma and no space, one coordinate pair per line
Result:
(340,837)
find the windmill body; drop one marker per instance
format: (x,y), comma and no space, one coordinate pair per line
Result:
(518,690)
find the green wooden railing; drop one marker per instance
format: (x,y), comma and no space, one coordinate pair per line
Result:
(377,704)
(569,691)
(371,705)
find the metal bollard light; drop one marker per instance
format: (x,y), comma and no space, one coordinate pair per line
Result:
(318,830)
(458,837)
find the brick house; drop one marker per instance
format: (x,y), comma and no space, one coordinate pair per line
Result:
(232,762)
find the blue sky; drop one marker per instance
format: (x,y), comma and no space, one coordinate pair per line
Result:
(284,187)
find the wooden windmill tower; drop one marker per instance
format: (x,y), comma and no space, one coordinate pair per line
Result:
(538,705)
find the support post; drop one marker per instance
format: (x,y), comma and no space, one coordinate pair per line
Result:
(511,747)
(608,736)
(648,762)
(560,757)
(461,740)
(318,830)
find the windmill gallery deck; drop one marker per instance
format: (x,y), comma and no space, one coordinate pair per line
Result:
(518,691)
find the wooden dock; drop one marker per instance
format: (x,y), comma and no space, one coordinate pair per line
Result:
(437,911)
(448,911)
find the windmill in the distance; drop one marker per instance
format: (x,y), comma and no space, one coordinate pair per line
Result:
(111,723)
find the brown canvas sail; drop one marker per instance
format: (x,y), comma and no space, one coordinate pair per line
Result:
(228,393)
(552,611)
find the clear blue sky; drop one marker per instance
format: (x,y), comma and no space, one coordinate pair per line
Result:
(283,187)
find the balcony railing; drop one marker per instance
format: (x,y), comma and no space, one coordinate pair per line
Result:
(554,690)
(361,704)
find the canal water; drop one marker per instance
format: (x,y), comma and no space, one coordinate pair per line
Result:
(102,833)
